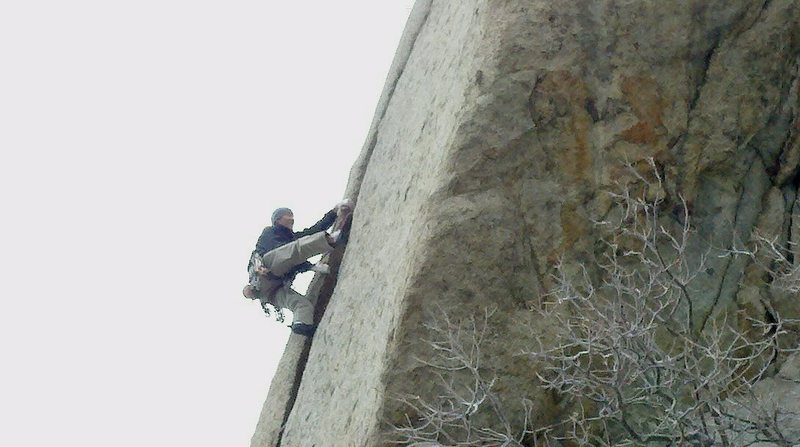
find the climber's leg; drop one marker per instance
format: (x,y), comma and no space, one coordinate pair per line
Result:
(301,307)
(283,258)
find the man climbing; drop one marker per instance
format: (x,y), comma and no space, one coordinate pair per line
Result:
(281,254)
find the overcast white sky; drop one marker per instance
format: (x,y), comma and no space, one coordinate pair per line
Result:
(143,146)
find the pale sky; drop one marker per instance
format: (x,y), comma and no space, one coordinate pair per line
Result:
(144,145)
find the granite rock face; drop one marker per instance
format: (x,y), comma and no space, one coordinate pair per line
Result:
(780,392)
(501,124)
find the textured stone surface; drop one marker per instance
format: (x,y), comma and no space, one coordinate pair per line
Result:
(502,123)
(269,425)
(281,396)
(782,393)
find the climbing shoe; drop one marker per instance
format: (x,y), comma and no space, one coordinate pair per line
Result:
(303,329)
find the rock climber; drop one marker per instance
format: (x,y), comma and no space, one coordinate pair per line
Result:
(281,254)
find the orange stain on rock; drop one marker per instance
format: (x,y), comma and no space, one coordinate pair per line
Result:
(569,93)
(642,93)
(640,133)
(573,226)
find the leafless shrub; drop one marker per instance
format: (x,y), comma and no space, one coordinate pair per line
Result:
(631,359)
(466,392)
(634,372)
(776,260)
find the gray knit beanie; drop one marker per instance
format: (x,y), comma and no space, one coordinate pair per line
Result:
(278,213)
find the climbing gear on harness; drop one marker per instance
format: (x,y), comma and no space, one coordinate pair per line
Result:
(269,310)
(252,293)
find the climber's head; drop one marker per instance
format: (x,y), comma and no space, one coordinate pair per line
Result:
(283,217)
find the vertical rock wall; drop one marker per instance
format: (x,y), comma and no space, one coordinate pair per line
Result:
(343,388)
(502,123)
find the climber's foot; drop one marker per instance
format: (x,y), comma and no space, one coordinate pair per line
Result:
(303,329)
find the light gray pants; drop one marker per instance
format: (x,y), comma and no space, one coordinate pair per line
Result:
(283,259)
(302,308)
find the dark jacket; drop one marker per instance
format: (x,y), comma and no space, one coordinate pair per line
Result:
(274,237)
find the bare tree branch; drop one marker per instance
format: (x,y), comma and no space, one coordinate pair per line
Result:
(627,357)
